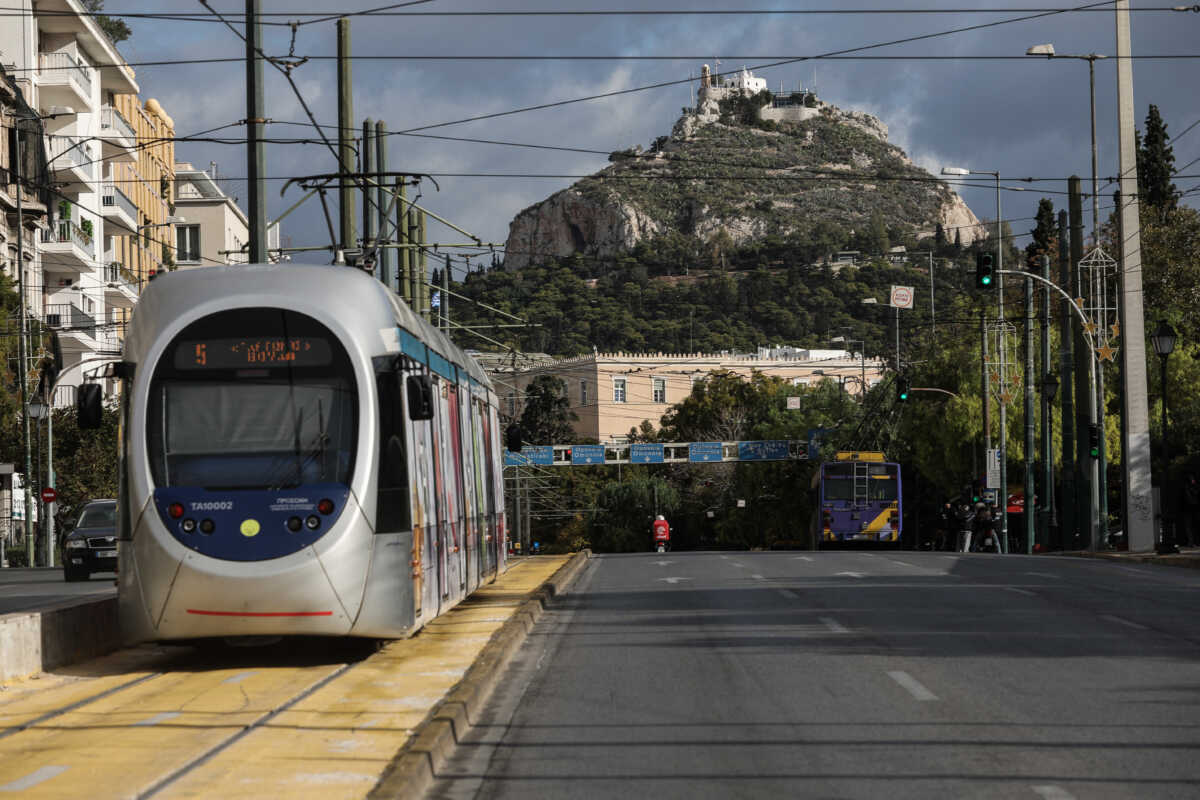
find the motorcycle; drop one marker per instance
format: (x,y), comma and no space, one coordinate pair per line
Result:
(662,547)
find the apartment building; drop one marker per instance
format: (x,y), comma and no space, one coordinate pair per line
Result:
(214,229)
(73,78)
(614,392)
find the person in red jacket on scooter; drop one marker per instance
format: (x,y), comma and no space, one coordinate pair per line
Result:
(662,534)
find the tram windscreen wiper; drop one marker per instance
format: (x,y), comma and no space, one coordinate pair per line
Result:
(307,453)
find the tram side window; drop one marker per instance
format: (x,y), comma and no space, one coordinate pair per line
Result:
(391,508)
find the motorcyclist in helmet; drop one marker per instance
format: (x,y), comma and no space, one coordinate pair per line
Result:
(662,534)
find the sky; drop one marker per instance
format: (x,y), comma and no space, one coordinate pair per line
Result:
(969,98)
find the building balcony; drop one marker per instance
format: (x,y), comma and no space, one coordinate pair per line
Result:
(71,162)
(64,80)
(119,212)
(120,286)
(66,247)
(117,136)
(76,328)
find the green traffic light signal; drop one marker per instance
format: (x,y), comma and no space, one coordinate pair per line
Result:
(901,388)
(1094,441)
(984,270)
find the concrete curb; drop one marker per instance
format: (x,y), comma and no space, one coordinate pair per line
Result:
(69,632)
(414,769)
(1191,560)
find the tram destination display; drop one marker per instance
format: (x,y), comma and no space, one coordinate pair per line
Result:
(253,351)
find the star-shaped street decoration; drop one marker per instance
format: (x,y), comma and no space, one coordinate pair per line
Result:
(1089,326)
(1105,352)
(1116,329)
(1006,397)
(995,377)
(1079,303)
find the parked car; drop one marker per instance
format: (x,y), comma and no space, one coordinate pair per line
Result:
(92,545)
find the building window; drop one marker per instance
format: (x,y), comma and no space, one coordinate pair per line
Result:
(618,390)
(187,243)
(659,388)
(583,397)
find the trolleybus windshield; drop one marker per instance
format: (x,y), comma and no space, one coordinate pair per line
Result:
(266,423)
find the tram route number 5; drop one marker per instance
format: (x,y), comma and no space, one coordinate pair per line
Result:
(902,296)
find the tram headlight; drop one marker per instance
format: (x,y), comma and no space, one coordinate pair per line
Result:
(188,525)
(294,524)
(207,526)
(325,506)
(312,521)
(175,510)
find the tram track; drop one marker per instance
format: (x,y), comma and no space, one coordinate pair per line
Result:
(75,706)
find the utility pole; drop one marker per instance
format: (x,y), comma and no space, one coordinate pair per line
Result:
(422,269)
(1085,381)
(1047,428)
(1068,506)
(383,257)
(985,390)
(345,137)
(1121,364)
(23,350)
(445,305)
(1030,491)
(367,148)
(404,276)
(256,156)
(1136,451)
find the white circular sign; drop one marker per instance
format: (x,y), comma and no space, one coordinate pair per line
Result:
(902,296)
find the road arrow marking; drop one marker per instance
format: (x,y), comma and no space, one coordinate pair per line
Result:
(674,581)
(801,558)
(912,685)
(789,594)
(662,563)
(852,574)
(833,625)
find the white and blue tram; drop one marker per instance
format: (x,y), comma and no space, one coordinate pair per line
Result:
(300,454)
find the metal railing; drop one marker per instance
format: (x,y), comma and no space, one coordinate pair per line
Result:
(62,63)
(113,120)
(65,231)
(115,272)
(69,315)
(68,151)
(115,198)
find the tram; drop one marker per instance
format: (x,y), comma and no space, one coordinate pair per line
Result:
(858,499)
(300,454)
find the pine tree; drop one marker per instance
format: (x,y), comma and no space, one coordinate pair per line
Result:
(1156,165)
(1045,232)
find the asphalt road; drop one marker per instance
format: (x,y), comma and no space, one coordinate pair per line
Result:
(850,675)
(23,589)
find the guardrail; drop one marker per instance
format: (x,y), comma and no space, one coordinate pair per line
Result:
(65,231)
(114,120)
(115,198)
(68,315)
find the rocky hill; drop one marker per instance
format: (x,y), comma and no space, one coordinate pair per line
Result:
(737,171)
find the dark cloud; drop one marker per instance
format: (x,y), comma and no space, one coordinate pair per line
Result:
(1026,117)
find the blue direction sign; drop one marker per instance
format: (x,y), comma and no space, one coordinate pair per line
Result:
(587,454)
(770,450)
(539,454)
(645,453)
(512,459)
(704,451)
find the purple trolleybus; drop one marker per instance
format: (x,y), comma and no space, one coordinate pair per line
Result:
(858,499)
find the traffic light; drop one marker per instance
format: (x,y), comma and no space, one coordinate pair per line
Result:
(984,270)
(901,388)
(976,491)
(1094,440)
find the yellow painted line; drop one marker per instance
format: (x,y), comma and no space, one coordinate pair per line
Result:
(335,743)
(123,744)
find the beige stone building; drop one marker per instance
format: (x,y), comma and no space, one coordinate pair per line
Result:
(614,392)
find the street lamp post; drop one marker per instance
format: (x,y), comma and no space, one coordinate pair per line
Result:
(39,408)
(1049,389)
(1047,50)
(1164,342)
(1003,498)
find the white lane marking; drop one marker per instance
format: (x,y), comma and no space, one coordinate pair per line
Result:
(1042,574)
(868,555)
(901,563)
(241,676)
(738,564)
(1051,792)
(1020,591)
(33,779)
(1126,622)
(662,563)
(157,718)
(674,581)
(833,625)
(758,577)
(789,594)
(912,685)
(801,558)
(852,574)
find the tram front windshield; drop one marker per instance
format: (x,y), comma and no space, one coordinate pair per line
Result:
(271,408)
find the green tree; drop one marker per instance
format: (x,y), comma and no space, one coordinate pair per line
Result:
(1045,232)
(624,511)
(1156,165)
(547,416)
(116,29)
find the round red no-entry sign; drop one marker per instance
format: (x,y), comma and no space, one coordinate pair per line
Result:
(49,495)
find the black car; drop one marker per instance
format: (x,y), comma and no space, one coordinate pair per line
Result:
(92,546)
